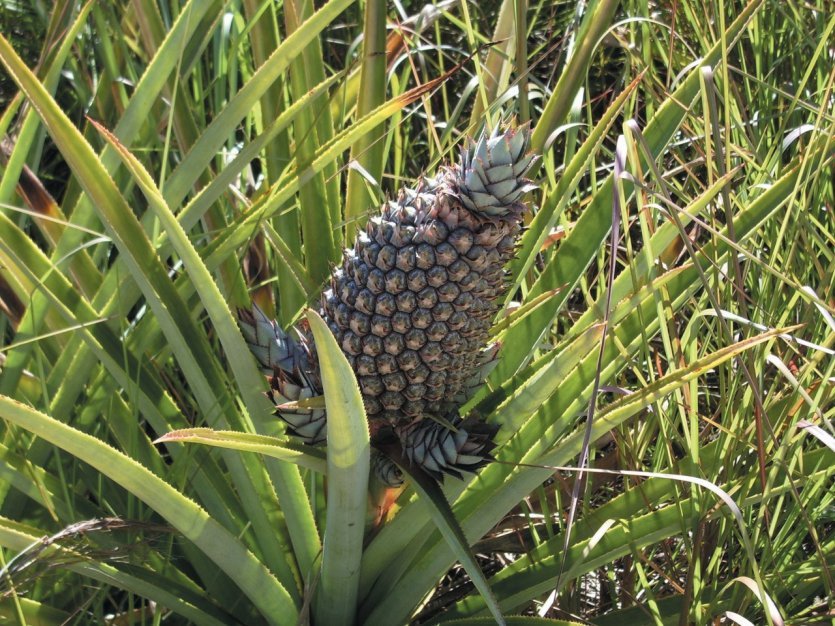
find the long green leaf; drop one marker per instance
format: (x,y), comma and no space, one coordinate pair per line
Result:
(558,198)
(348,465)
(21,257)
(279,448)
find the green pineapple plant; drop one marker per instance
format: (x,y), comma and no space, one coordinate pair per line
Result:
(411,307)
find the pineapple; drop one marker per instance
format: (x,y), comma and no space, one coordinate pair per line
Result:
(411,307)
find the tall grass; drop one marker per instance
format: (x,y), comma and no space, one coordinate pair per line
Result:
(665,385)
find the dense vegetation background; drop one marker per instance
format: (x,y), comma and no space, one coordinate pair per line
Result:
(670,327)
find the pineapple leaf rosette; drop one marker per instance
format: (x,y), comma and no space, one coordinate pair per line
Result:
(411,306)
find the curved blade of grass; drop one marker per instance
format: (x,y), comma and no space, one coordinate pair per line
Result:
(276,447)
(165,590)
(348,465)
(827,439)
(615,237)
(762,596)
(254,580)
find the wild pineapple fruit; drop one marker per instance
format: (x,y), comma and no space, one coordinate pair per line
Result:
(411,307)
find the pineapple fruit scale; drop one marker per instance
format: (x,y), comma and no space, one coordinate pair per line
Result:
(411,307)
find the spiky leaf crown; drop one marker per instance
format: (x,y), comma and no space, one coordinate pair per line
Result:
(490,179)
(274,349)
(439,449)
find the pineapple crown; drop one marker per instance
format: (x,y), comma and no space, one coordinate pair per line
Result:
(490,180)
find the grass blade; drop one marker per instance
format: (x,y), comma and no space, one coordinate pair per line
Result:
(368,149)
